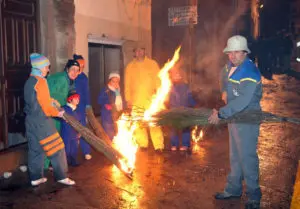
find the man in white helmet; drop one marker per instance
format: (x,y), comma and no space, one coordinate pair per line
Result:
(241,90)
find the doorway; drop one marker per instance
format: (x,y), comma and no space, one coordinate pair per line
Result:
(18,38)
(103,59)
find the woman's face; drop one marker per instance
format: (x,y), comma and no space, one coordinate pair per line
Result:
(73,72)
(114,82)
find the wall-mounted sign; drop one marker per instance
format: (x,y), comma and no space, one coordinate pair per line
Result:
(182,15)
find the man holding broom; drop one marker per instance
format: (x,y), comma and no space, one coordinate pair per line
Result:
(241,90)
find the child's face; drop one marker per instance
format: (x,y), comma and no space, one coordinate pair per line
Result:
(75,101)
(176,76)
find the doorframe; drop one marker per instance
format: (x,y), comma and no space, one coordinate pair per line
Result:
(3,84)
(4,117)
(106,41)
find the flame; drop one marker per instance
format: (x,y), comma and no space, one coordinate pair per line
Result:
(124,142)
(197,137)
(158,99)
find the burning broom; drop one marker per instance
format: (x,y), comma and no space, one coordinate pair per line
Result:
(101,142)
(188,117)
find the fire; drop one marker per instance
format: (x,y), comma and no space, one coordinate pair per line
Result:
(196,137)
(158,100)
(124,142)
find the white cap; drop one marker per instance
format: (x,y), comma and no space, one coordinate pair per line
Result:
(237,43)
(111,75)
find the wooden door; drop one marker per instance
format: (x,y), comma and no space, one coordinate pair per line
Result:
(18,40)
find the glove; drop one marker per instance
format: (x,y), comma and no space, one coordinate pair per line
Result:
(61,113)
(108,106)
(55,103)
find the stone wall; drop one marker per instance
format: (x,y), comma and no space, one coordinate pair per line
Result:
(57,31)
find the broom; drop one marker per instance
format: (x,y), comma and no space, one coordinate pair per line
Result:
(99,144)
(187,117)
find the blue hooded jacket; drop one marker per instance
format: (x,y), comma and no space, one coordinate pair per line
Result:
(181,96)
(82,88)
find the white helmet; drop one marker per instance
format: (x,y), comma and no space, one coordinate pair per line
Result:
(237,43)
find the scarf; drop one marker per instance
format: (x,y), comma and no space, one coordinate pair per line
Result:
(36,72)
(73,107)
(118,101)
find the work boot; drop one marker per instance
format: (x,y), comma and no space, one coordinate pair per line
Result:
(252,204)
(226,196)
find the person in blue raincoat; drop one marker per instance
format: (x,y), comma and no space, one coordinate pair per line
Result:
(180,96)
(111,103)
(69,135)
(241,91)
(43,138)
(82,88)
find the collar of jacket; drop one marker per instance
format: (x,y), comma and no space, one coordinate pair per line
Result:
(73,107)
(230,65)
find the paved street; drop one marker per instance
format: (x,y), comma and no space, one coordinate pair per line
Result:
(177,180)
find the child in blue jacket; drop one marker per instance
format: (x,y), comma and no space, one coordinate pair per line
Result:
(180,96)
(111,104)
(68,133)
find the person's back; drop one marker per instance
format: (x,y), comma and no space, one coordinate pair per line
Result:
(32,108)
(59,86)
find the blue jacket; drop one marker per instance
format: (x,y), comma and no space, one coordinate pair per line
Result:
(82,88)
(106,96)
(67,132)
(243,88)
(181,96)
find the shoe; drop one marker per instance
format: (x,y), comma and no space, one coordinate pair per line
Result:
(67,181)
(173,148)
(183,148)
(38,181)
(225,196)
(252,204)
(88,157)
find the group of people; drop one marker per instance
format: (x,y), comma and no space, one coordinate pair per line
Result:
(241,90)
(47,98)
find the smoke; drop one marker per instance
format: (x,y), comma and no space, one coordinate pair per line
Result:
(217,22)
